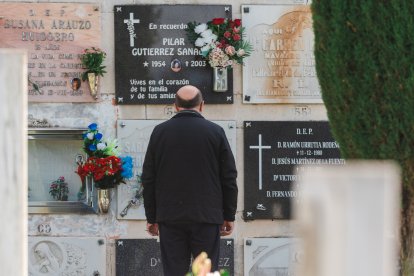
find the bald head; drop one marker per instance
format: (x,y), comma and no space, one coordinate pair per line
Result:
(188,97)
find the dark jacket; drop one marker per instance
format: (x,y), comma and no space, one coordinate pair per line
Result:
(189,173)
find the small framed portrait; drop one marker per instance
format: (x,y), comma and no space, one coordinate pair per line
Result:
(75,83)
(176,65)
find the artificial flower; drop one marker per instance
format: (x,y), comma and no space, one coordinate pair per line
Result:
(103,164)
(220,41)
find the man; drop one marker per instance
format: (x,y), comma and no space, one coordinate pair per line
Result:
(190,190)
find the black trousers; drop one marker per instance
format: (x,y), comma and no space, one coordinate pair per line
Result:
(179,241)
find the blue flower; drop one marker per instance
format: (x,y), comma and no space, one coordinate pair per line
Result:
(92,147)
(98,136)
(93,126)
(126,167)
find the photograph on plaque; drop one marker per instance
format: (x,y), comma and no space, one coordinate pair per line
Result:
(133,137)
(154,58)
(271,256)
(143,257)
(281,68)
(273,150)
(55,36)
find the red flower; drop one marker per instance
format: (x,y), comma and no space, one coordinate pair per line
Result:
(218,21)
(236,37)
(231,24)
(227,34)
(237,22)
(99,167)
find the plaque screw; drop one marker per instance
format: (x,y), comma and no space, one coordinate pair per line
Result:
(246,9)
(101,242)
(249,242)
(247,98)
(122,124)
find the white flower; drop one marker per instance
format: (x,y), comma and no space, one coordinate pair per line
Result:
(207,33)
(200,28)
(241,52)
(217,58)
(205,48)
(212,38)
(90,135)
(101,146)
(200,42)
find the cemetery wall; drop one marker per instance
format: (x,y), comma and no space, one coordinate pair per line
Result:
(107,113)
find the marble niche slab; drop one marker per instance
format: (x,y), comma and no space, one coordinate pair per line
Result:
(66,256)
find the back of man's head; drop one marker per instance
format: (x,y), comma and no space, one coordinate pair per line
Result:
(188,97)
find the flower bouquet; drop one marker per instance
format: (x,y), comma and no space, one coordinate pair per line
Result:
(103,164)
(59,189)
(220,41)
(92,59)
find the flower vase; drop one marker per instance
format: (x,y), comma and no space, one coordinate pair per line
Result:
(220,79)
(93,84)
(104,200)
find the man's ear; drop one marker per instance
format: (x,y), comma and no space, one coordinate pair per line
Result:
(201,106)
(176,107)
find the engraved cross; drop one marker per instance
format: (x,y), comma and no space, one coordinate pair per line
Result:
(130,23)
(260,147)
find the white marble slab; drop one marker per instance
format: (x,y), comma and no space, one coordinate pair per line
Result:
(270,256)
(64,256)
(13,164)
(133,137)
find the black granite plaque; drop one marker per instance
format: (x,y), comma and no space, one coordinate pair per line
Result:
(153,57)
(143,257)
(272,151)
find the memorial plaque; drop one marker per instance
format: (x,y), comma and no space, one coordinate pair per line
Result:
(143,257)
(272,151)
(133,137)
(54,34)
(66,256)
(281,68)
(153,57)
(271,256)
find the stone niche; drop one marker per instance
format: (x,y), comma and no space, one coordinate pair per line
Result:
(143,257)
(133,137)
(54,153)
(271,256)
(66,256)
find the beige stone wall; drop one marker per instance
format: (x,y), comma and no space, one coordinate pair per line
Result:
(106,114)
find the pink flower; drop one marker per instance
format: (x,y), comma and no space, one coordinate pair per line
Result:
(230,50)
(227,34)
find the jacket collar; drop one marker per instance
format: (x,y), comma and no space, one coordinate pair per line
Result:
(188,113)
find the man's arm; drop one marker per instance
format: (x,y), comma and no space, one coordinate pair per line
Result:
(148,182)
(228,176)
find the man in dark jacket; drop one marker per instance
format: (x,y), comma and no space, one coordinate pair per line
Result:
(190,190)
